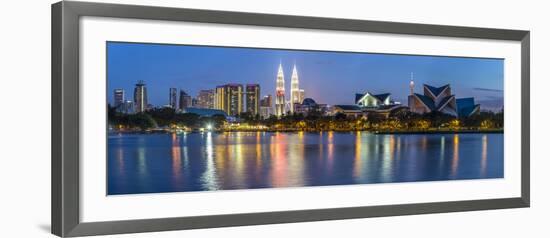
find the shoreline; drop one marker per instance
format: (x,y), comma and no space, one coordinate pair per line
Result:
(429,131)
(495,131)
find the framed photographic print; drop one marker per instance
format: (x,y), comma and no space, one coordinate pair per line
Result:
(168,119)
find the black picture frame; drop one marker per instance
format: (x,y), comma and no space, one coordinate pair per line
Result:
(65,118)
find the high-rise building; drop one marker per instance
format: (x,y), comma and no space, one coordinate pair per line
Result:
(206,99)
(229,98)
(266,108)
(302,95)
(194,102)
(118,97)
(173,98)
(280,93)
(294,89)
(266,101)
(185,100)
(127,107)
(253,98)
(140,97)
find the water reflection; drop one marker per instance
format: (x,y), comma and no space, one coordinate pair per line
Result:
(142,162)
(442,148)
(358,160)
(279,162)
(176,159)
(330,145)
(387,155)
(483,155)
(258,154)
(456,144)
(120,160)
(209,178)
(237,160)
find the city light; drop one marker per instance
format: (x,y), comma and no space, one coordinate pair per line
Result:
(202,126)
(368,112)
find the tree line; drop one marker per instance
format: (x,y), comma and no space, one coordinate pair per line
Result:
(162,117)
(315,120)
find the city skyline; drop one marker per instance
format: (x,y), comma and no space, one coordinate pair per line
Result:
(173,66)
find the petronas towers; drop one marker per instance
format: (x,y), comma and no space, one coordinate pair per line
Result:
(296,94)
(280,92)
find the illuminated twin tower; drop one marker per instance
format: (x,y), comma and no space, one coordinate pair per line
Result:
(296,94)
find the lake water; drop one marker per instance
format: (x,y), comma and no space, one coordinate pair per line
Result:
(155,163)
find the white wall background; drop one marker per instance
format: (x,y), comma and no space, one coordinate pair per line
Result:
(25,139)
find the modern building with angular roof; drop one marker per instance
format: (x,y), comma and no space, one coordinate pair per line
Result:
(372,100)
(377,103)
(466,107)
(442,100)
(368,103)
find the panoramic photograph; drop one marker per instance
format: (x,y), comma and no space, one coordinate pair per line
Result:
(187,118)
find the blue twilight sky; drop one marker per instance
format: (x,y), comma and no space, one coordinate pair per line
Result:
(327,77)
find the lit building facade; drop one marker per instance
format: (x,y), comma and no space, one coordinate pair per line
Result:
(266,106)
(280,93)
(140,97)
(206,99)
(118,97)
(442,100)
(294,89)
(229,98)
(127,107)
(301,95)
(173,96)
(369,100)
(348,110)
(185,100)
(253,98)
(307,105)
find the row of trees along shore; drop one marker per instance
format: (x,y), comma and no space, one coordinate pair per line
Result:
(400,121)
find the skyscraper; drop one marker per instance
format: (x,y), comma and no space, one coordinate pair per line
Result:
(294,89)
(173,98)
(140,97)
(185,100)
(302,95)
(118,97)
(229,98)
(280,93)
(253,98)
(127,107)
(266,108)
(206,99)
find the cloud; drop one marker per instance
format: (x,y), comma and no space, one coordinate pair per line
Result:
(491,104)
(489,90)
(494,97)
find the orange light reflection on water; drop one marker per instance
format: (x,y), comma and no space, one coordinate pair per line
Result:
(456,144)
(330,147)
(279,164)
(258,154)
(358,161)
(388,155)
(176,158)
